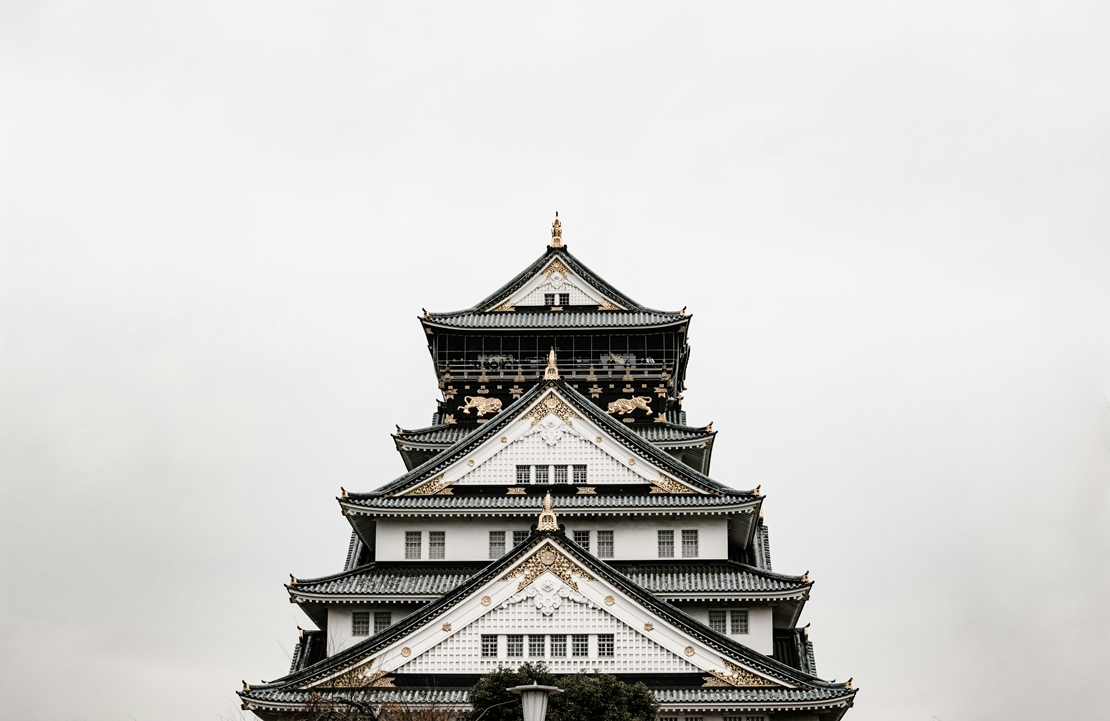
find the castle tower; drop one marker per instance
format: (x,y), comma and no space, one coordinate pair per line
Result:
(558,509)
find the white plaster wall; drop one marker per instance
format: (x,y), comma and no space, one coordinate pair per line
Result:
(568,448)
(339,621)
(760,635)
(633,538)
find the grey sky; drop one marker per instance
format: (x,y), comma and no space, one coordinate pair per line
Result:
(889,220)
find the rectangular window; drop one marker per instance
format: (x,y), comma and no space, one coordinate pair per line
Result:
(558,646)
(541,474)
(580,644)
(740,621)
(360,623)
(717,621)
(549,299)
(535,646)
(413,540)
(666,544)
(564,299)
(604,544)
(754,718)
(489,645)
(605,645)
(560,474)
(519,537)
(496,544)
(437,544)
(582,538)
(689,544)
(514,645)
(382,621)
(523,474)
(580,474)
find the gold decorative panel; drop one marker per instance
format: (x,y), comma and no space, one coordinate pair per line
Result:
(551,405)
(438,485)
(738,677)
(548,560)
(665,484)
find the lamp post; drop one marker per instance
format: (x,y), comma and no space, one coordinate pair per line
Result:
(533,698)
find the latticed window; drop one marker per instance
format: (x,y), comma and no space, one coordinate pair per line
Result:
(535,646)
(580,473)
(382,620)
(695,718)
(437,544)
(489,645)
(604,544)
(496,544)
(740,621)
(717,621)
(412,543)
(519,537)
(523,474)
(755,718)
(549,299)
(564,299)
(605,645)
(541,474)
(582,538)
(514,645)
(559,646)
(666,544)
(580,644)
(689,544)
(560,474)
(360,623)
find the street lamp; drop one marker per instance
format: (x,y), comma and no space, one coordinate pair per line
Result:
(534,699)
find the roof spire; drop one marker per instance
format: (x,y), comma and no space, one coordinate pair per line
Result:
(556,232)
(547,516)
(551,373)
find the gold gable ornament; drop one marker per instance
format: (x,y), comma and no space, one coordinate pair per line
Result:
(547,520)
(556,232)
(551,373)
(737,677)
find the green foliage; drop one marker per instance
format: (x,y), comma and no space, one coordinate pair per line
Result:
(585,697)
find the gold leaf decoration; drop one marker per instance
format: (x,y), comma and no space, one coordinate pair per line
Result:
(665,484)
(435,486)
(606,304)
(556,266)
(360,677)
(548,560)
(551,405)
(506,307)
(738,677)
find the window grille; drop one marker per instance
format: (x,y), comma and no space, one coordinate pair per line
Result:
(560,474)
(514,645)
(740,621)
(564,299)
(755,718)
(717,621)
(580,474)
(605,645)
(535,646)
(604,544)
(437,544)
(382,621)
(541,474)
(559,646)
(360,623)
(671,718)
(549,299)
(666,544)
(489,645)
(412,543)
(695,718)
(519,537)
(523,474)
(689,544)
(496,544)
(580,644)
(582,538)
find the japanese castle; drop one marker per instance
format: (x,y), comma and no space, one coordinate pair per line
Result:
(558,509)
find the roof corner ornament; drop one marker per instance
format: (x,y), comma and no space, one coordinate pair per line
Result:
(551,373)
(556,232)
(547,516)
(682,313)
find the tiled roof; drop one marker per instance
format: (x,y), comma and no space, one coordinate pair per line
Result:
(653,432)
(560,319)
(442,433)
(658,578)
(563,503)
(459,696)
(662,432)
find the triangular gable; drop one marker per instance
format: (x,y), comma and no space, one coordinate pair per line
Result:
(556,278)
(551,587)
(548,431)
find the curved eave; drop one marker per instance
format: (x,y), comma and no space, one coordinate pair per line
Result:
(493,321)
(365,508)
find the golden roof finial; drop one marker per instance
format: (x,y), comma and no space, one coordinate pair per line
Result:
(556,232)
(547,516)
(551,373)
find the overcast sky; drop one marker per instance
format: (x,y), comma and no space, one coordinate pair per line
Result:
(889,220)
